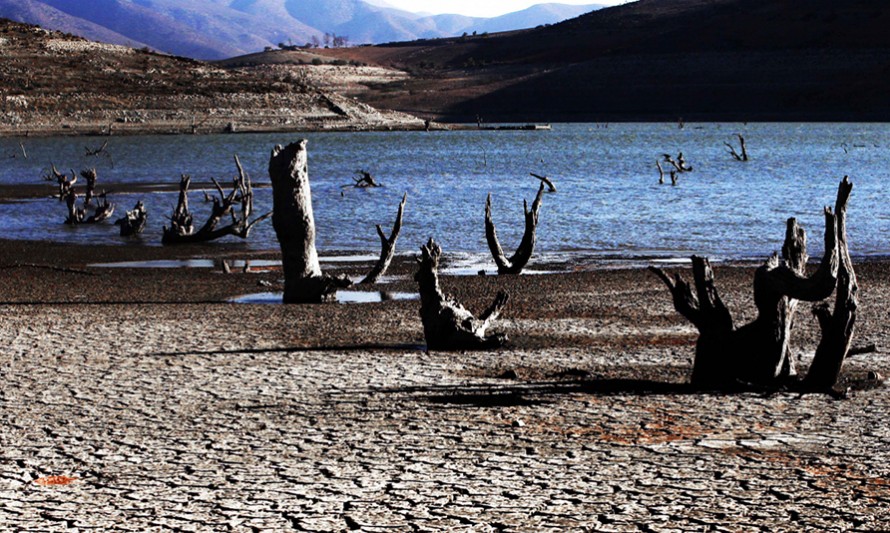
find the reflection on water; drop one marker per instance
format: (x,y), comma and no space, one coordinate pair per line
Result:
(609,206)
(343,297)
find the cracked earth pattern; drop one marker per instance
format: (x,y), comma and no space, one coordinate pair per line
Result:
(169,423)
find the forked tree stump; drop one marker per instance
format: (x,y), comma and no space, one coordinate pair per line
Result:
(447,325)
(759,353)
(518,261)
(387,246)
(294,226)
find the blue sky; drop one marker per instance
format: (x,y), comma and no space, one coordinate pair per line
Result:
(479,8)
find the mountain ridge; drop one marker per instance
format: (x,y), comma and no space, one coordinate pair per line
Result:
(219,29)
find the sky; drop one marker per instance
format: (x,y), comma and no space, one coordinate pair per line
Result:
(479,8)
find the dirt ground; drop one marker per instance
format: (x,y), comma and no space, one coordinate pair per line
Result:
(163,407)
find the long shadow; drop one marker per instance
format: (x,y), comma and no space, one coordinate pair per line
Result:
(295,349)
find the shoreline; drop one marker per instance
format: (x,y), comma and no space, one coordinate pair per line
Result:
(166,407)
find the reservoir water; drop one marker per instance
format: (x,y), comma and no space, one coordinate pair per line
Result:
(609,206)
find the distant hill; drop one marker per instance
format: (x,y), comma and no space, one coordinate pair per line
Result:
(57,83)
(655,60)
(216,29)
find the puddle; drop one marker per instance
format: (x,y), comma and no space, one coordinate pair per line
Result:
(343,297)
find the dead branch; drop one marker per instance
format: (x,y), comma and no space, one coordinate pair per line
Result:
(518,260)
(737,156)
(91,176)
(447,325)
(660,172)
(366,180)
(546,181)
(181,229)
(387,246)
(65,183)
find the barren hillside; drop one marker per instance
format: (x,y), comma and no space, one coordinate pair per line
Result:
(53,82)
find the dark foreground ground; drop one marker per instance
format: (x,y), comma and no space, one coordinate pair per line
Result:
(173,410)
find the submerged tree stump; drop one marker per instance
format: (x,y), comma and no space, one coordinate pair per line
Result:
(133,223)
(181,229)
(759,353)
(447,325)
(294,226)
(518,261)
(387,246)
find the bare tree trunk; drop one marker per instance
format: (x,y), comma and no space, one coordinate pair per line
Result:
(738,157)
(387,246)
(447,325)
(91,176)
(758,352)
(294,226)
(518,260)
(838,327)
(660,172)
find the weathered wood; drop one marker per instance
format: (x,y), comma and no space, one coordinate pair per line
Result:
(66,184)
(837,327)
(91,176)
(660,172)
(133,223)
(447,325)
(387,246)
(737,156)
(77,214)
(759,352)
(181,229)
(366,180)
(518,261)
(546,181)
(294,225)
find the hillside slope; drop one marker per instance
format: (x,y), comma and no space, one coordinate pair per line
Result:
(218,29)
(56,83)
(656,60)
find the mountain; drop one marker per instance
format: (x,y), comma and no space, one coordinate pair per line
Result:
(654,60)
(35,12)
(216,29)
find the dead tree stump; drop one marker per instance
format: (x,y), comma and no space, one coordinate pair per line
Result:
(294,226)
(447,325)
(181,229)
(134,221)
(837,327)
(518,260)
(387,246)
(758,353)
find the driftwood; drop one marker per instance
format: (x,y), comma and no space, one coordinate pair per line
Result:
(102,150)
(181,229)
(366,180)
(447,325)
(546,181)
(737,156)
(91,176)
(66,184)
(294,225)
(679,164)
(660,172)
(134,221)
(518,260)
(387,246)
(77,215)
(758,353)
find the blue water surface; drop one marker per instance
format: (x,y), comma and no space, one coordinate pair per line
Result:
(609,204)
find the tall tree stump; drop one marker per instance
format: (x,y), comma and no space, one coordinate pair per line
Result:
(294,226)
